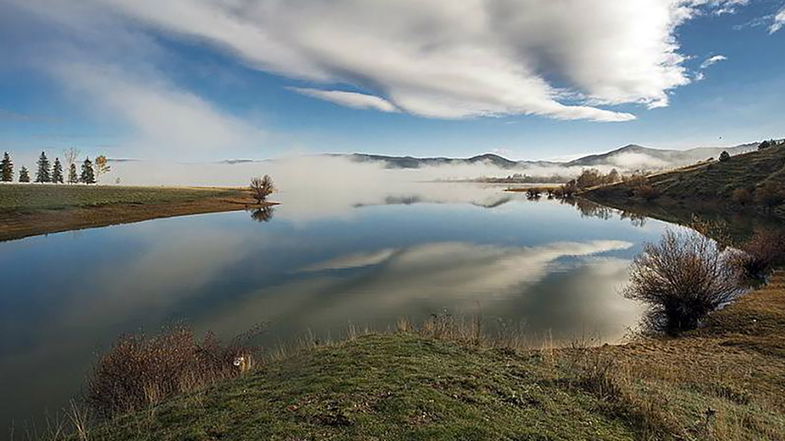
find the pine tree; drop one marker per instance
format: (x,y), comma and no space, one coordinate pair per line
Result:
(73,178)
(57,172)
(24,175)
(43,174)
(88,174)
(6,168)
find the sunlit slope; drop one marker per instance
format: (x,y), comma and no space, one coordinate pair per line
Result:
(712,182)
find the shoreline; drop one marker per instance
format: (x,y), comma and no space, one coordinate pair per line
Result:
(720,381)
(102,206)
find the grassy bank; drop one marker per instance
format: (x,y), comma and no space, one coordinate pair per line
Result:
(32,209)
(721,382)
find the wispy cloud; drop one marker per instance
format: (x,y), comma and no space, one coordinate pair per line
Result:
(161,115)
(349,99)
(713,60)
(778,21)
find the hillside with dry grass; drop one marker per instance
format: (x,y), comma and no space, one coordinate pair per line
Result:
(746,183)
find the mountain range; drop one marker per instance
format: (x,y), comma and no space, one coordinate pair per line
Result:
(629,157)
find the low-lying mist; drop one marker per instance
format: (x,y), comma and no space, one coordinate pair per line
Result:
(316,186)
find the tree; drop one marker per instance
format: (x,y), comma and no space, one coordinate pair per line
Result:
(6,168)
(57,172)
(43,174)
(764,145)
(724,156)
(70,155)
(73,178)
(613,177)
(101,166)
(261,188)
(682,279)
(88,174)
(24,175)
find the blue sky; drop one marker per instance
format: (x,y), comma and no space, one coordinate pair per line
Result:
(199,80)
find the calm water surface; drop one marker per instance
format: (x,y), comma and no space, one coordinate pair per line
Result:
(317,263)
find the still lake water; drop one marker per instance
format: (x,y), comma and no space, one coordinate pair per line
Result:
(319,265)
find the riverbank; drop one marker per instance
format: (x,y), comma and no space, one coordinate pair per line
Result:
(721,382)
(33,209)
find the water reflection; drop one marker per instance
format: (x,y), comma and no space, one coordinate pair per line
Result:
(263,214)
(370,261)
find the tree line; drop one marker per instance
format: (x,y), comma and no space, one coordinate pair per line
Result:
(48,172)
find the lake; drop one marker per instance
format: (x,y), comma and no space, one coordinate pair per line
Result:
(315,263)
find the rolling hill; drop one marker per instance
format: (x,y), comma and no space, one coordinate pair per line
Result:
(712,183)
(629,157)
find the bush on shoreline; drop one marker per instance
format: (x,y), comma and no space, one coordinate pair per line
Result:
(682,279)
(138,372)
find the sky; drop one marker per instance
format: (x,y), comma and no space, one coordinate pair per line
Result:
(208,80)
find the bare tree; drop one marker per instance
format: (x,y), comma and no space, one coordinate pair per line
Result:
(70,155)
(682,279)
(101,166)
(261,188)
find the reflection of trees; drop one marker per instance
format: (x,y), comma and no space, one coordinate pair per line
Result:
(263,214)
(636,219)
(593,209)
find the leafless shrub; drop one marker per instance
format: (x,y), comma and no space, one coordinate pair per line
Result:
(567,190)
(261,188)
(681,279)
(139,371)
(761,253)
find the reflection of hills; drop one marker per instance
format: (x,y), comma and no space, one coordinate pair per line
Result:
(493,203)
(490,202)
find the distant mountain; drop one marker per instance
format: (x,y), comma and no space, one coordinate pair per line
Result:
(412,162)
(629,157)
(635,156)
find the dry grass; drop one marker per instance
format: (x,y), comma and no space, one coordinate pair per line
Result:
(139,372)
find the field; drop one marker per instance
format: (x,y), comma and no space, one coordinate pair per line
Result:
(30,209)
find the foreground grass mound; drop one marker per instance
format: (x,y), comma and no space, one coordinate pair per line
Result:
(391,387)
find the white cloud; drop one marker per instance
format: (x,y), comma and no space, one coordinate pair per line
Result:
(442,58)
(722,7)
(700,75)
(713,60)
(349,99)
(778,21)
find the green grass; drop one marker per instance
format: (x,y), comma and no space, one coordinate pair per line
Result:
(29,197)
(385,387)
